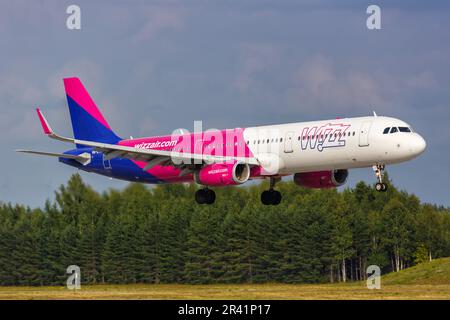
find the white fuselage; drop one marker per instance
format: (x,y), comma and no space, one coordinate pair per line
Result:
(333,144)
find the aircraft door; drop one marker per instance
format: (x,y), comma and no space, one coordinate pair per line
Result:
(106,163)
(288,142)
(364,133)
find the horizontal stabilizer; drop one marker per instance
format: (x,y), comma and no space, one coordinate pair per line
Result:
(83,158)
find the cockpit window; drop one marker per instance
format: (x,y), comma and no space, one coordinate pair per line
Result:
(394,129)
(386,130)
(404,129)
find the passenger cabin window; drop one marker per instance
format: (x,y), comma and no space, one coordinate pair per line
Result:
(404,129)
(394,130)
(386,130)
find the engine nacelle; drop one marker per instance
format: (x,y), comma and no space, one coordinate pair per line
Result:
(321,179)
(223,174)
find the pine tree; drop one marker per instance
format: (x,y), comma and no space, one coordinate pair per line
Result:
(204,250)
(174,233)
(159,234)
(396,219)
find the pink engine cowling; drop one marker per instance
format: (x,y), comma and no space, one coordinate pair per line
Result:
(223,174)
(321,179)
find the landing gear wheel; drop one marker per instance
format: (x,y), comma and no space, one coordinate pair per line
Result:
(266,198)
(205,196)
(276,197)
(210,196)
(200,196)
(381,187)
(378,170)
(271,196)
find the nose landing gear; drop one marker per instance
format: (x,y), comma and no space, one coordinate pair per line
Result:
(271,196)
(379,186)
(205,196)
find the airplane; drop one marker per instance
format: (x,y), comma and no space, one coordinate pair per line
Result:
(318,153)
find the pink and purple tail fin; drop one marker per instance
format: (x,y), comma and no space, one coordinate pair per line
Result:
(87,121)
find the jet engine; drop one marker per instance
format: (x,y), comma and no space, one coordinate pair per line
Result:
(321,179)
(223,174)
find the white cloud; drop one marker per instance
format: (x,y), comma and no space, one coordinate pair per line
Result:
(254,59)
(157,19)
(19,96)
(316,84)
(17,90)
(21,93)
(89,73)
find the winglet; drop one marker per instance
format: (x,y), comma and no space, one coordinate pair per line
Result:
(44,123)
(48,130)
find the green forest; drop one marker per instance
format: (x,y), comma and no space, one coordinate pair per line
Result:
(159,234)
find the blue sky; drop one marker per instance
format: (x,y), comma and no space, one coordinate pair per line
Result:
(154,66)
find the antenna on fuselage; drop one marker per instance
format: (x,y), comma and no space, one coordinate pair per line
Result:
(374,114)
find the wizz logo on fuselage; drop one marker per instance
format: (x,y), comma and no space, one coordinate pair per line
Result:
(329,135)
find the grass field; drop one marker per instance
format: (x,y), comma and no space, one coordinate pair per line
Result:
(426,281)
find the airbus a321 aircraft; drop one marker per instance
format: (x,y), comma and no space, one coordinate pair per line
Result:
(318,154)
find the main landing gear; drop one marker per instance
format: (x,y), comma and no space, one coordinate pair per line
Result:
(271,196)
(205,196)
(379,186)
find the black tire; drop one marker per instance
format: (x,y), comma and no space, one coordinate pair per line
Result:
(385,187)
(379,187)
(276,197)
(200,196)
(210,196)
(270,197)
(266,198)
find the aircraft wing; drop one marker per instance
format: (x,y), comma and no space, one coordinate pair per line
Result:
(82,158)
(151,156)
(154,157)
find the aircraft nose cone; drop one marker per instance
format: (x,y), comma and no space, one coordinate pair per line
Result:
(418,145)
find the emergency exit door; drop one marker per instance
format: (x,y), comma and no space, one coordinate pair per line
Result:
(364,133)
(288,142)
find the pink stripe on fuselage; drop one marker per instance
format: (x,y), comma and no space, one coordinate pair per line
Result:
(228,142)
(76,91)
(165,173)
